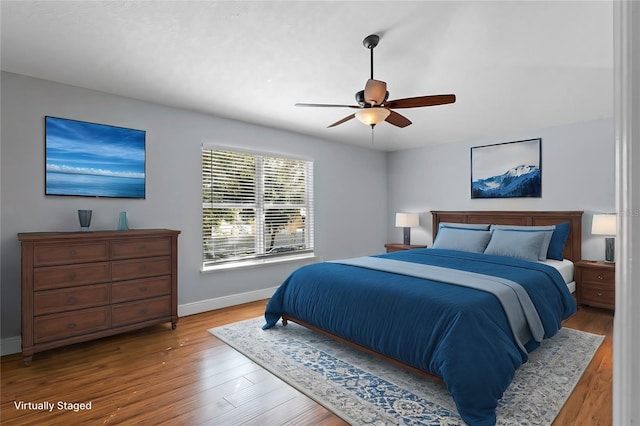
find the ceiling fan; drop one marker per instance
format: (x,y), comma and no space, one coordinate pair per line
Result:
(373,107)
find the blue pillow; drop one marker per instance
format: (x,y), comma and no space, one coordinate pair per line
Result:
(515,243)
(558,241)
(547,230)
(473,226)
(472,240)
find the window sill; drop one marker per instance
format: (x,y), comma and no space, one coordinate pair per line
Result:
(242,264)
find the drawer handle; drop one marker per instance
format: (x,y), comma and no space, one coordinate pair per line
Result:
(73,253)
(143,312)
(72,276)
(600,277)
(143,289)
(71,325)
(599,293)
(72,300)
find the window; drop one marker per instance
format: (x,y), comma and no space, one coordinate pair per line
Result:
(254,206)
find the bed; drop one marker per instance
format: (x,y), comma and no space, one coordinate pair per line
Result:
(465,313)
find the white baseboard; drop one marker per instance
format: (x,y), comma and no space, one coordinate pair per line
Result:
(10,345)
(13,345)
(225,301)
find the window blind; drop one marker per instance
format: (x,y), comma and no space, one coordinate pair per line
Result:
(255,205)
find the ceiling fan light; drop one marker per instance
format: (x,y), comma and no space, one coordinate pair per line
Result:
(372,116)
(375,92)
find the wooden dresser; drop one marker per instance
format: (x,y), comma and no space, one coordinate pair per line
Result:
(79,286)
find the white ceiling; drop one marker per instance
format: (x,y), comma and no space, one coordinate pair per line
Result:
(513,65)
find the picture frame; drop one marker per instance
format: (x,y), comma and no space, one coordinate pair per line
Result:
(507,170)
(86,159)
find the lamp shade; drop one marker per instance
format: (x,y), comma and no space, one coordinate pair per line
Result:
(604,224)
(407,220)
(373,115)
(375,92)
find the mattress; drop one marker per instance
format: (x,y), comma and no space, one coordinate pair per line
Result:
(565,267)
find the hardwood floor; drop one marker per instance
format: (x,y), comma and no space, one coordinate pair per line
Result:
(187,376)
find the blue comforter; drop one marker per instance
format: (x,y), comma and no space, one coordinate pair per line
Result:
(457,333)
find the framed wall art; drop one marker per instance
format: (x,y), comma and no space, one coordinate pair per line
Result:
(93,160)
(507,170)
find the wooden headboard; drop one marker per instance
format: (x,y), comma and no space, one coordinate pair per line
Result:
(572,250)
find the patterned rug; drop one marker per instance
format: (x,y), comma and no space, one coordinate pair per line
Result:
(363,389)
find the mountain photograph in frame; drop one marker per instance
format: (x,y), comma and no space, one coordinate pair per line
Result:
(507,170)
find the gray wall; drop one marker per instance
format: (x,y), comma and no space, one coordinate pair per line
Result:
(357,190)
(577,174)
(350,188)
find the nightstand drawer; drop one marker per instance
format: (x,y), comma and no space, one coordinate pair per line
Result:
(602,295)
(597,275)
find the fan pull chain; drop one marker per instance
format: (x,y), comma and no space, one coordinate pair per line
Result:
(372,140)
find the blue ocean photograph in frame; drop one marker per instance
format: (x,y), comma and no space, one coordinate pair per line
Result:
(94,160)
(507,170)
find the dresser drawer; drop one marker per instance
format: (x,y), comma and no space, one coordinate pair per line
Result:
(602,295)
(140,247)
(57,254)
(68,324)
(140,289)
(51,301)
(140,268)
(50,277)
(596,275)
(143,310)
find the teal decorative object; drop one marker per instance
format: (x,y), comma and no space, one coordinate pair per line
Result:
(123,223)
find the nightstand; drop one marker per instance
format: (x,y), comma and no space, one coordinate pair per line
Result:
(595,283)
(398,247)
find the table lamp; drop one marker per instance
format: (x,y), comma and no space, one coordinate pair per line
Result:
(406,221)
(605,224)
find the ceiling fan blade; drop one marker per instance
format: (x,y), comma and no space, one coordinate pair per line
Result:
(421,101)
(347,118)
(375,92)
(327,105)
(397,119)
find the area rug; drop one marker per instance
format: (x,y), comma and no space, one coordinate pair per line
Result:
(363,389)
